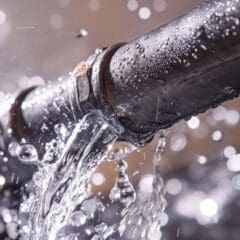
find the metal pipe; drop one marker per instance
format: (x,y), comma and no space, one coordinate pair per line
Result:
(178,70)
(169,74)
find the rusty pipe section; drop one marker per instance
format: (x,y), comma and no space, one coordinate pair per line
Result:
(169,74)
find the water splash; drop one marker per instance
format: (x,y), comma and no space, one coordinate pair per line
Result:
(123,189)
(59,204)
(60,186)
(141,216)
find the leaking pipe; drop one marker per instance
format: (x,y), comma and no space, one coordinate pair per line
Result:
(176,71)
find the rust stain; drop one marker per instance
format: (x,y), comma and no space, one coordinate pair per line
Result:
(80,69)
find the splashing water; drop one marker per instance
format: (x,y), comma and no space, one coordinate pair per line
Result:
(59,204)
(141,220)
(60,187)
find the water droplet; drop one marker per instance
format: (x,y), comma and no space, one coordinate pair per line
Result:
(232,117)
(237,21)
(217,136)
(193,123)
(98,179)
(233,163)
(194,56)
(137,45)
(144,13)
(27,153)
(208,207)
(123,190)
(178,142)
(173,186)
(186,63)
(61,131)
(229,151)
(132,5)
(78,218)
(12,148)
(82,33)
(44,128)
(2,181)
(202,159)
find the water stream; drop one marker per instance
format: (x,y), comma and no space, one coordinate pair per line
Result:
(58,202)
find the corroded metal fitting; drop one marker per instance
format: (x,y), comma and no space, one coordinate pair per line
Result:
(99,82)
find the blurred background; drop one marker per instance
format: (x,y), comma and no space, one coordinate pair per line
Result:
(41,40)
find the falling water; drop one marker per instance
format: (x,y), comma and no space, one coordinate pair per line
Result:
(141,219)
(58,203)
(60,187)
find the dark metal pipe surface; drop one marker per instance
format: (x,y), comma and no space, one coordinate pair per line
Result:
(171,73)
(65,101)
(178,70)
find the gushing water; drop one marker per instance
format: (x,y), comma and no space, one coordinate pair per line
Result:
(58,203)
(60,186)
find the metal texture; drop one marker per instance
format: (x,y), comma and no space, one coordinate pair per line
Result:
(169,74)
(64,101)
(178,70)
